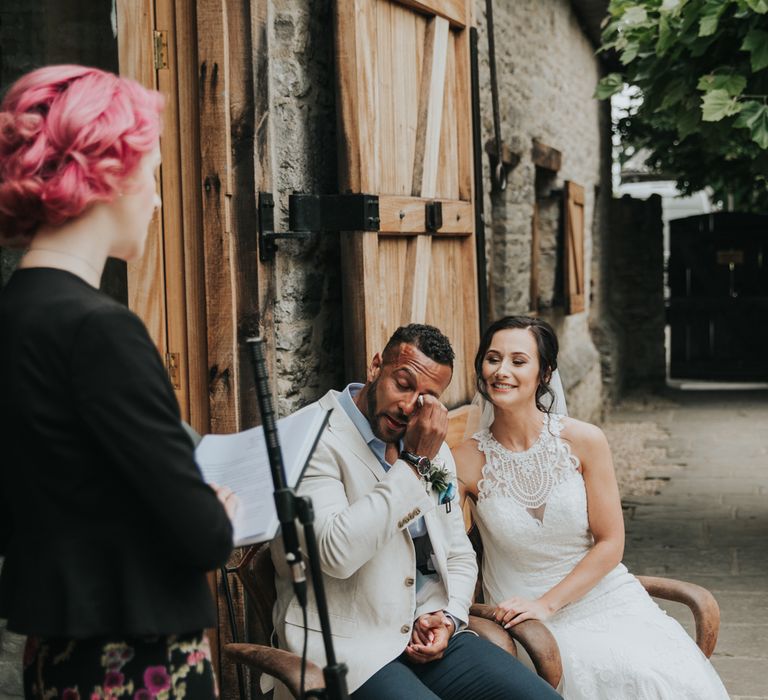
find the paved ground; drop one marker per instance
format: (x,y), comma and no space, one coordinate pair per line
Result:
(708,522)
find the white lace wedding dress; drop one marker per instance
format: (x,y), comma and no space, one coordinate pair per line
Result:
(615,642)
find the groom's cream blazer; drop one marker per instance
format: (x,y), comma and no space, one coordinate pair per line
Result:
(362,515)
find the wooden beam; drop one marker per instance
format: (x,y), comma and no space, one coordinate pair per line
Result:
(455,11)
(172,196)
(357,96)
(216,166)
(533,303)
(191,213)
(464,116)
(243,203)
(359,252)
(406,215)
(546,157)
(418,264)
(430,114)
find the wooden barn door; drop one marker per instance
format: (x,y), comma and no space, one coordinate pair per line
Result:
(157,47)
(196,285)
(405,135)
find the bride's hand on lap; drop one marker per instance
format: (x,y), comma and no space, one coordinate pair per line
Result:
(515,610)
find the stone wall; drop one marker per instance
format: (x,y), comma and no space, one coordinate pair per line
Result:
(302,115)
(634,287)
(547,71)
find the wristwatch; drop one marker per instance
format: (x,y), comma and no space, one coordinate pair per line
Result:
(422,464)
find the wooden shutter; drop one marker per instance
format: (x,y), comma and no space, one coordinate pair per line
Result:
(574,248)
(405,135)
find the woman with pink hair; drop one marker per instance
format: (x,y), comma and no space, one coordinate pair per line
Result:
(106,526)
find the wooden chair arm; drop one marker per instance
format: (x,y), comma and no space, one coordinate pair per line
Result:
(706,611)
(493,632)
(536,639)
(283,665)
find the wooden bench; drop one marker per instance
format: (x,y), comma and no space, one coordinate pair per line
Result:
(256,573)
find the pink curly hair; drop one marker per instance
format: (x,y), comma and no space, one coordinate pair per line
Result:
(68,136)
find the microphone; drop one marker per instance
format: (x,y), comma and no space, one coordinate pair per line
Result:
(284,496)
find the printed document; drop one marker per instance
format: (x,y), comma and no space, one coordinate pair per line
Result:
(240,461)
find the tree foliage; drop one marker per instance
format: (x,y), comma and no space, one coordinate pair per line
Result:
(701,70)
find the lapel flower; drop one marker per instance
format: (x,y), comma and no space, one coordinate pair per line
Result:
(439,478)
(448,495)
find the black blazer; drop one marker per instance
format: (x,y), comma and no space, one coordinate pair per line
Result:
(106,525)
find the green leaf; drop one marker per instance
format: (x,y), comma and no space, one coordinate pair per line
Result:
(732,84)
(754,116)
(710,16)
(672,6)
(688,122)
(717,105)
(756,42)
(759,6)
(609,85)
(634,15)
(673,93)
(630,53)
(666,36)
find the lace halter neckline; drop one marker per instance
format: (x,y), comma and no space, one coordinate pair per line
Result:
(527,477)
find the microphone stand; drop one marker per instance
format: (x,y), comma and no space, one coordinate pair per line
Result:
(290,507)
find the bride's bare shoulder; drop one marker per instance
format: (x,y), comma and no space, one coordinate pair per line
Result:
(582,434)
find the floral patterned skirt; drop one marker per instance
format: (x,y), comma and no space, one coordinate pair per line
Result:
(177,666)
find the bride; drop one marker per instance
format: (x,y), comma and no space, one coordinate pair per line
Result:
(549,514)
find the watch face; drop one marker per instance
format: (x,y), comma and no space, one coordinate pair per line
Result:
(423,465)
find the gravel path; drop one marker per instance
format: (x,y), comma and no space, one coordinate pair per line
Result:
(637,445)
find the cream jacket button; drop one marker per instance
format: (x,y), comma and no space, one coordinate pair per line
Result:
(409,581)
(405,629)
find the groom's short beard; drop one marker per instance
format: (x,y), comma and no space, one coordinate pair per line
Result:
(373,415)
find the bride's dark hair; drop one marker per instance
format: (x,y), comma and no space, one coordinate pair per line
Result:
(546,344)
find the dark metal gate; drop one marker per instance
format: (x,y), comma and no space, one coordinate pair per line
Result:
(718,310)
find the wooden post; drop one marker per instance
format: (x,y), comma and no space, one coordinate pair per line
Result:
(216,166)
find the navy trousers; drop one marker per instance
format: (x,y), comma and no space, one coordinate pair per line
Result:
(471,669)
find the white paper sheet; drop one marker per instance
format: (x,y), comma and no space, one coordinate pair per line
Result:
(240,461)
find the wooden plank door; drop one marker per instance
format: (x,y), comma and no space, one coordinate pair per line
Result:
(405,135)
(157,45)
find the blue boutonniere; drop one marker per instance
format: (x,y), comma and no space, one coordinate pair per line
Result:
(448,495)
(435,476)
(439,478)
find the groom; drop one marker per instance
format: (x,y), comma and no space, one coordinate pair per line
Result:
(399,570)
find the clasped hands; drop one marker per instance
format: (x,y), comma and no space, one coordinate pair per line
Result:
(429,638)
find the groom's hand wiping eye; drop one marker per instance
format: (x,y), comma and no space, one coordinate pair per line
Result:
(427,427)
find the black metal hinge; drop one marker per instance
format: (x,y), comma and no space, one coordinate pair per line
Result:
(309,213)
